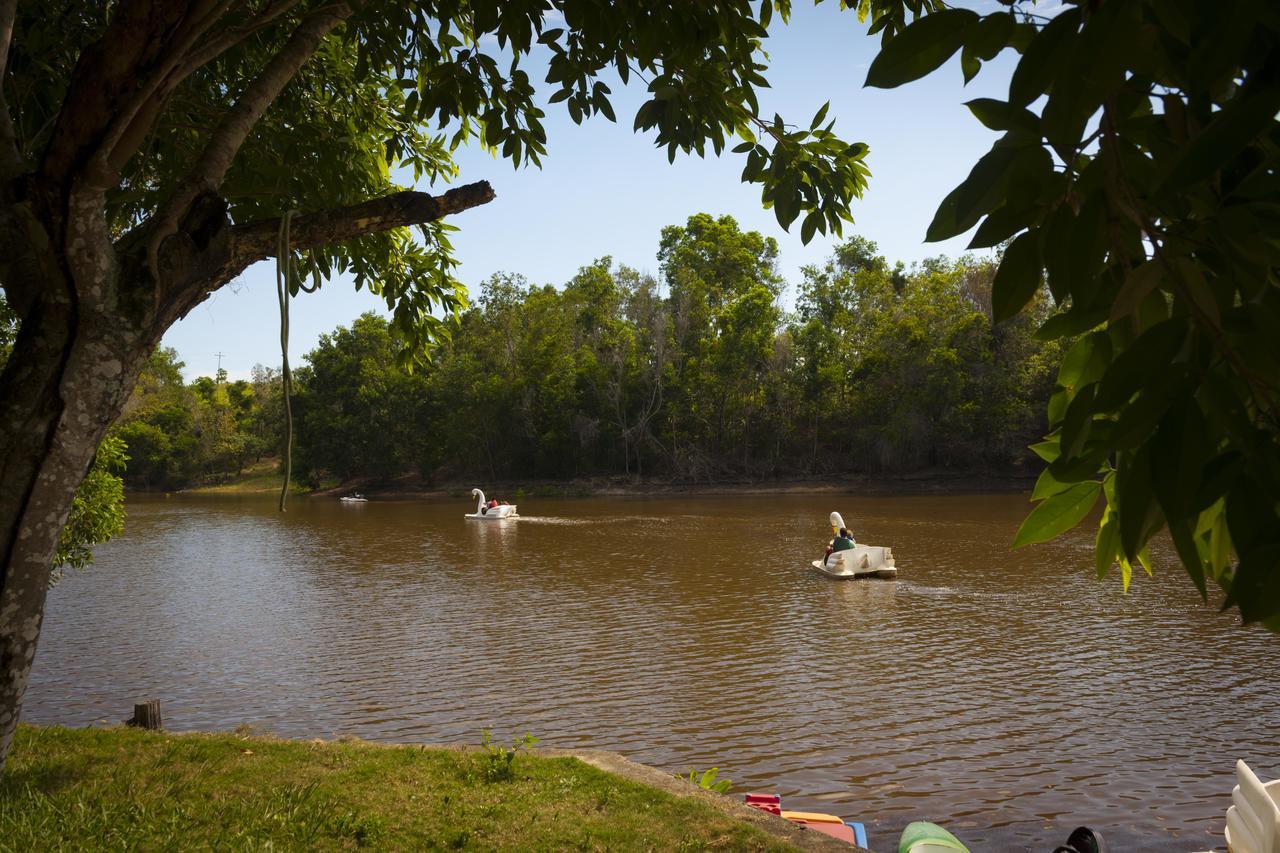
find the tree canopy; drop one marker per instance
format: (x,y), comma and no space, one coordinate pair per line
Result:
(1137,175)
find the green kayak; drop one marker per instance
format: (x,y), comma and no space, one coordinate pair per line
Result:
(924,837)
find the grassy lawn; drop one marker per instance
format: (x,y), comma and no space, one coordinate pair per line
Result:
(76,789)
(261,476)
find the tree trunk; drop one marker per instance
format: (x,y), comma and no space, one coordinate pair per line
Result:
(67,379)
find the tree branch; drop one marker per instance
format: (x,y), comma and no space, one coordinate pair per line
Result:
(209,251)
(254,241)
(105,80)
(258,95)
(10,156)
(135,118)
(211,168)
(232,35)
(184,59)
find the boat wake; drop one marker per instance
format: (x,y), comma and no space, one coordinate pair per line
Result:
(908,586)
(570,522)
(551,519)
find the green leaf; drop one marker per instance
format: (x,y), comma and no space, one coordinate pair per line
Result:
(1042,58)
(1047,486)
(1071,323)
(969,65)
(1018,277)
(1138,282)
(1181,436)
(1047,450)
(1086,361)
(1077,423)
(810,226)
(1140,362)
(1255,588)
(991,35)
(820,115)
(1189,555)
(1002,115)
(920,48)
(1107,545)
(1138,510)
(1235,127)
(1058,514)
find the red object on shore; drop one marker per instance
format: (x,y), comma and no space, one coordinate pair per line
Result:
(827,824)
(770,803)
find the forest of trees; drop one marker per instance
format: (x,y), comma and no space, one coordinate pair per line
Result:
(696,375)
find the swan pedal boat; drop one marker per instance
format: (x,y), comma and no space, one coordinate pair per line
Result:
(497,513)
(858,562)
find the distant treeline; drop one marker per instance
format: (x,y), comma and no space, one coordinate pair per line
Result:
(695,375)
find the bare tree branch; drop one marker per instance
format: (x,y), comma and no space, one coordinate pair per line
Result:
(254,241)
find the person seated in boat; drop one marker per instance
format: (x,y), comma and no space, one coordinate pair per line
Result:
(842,542)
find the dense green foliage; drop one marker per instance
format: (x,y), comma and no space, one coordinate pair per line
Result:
(1138,171)
(94,789)
(204,432)
(699,376)
(97,513)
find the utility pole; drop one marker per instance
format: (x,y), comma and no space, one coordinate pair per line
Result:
(219,355)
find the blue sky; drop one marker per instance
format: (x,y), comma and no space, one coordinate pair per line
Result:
(604,190)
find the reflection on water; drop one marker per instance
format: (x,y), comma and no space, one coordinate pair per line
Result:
(1006,695)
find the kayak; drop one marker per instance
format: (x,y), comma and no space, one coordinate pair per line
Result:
(924,837)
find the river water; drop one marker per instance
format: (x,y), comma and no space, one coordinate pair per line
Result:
(1008,696)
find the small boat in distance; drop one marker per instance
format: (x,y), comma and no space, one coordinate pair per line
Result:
(500,512)
(858,562)
(356,498)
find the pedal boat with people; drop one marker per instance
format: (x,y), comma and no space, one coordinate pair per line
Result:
(861,562)
(501,512)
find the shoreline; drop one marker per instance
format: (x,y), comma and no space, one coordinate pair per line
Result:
(215,787)
(932,482)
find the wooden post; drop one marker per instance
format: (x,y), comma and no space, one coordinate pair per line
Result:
(146,715)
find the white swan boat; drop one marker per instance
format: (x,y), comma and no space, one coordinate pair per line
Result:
(860,561)
(1253,821)
(496,513)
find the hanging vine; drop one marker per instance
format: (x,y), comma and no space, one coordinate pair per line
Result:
(288,283)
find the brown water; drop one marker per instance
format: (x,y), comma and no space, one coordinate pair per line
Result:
(1008,696)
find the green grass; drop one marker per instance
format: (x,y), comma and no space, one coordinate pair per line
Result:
(261,476)
(77,789)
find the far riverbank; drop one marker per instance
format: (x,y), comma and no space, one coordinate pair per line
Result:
(264,478)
